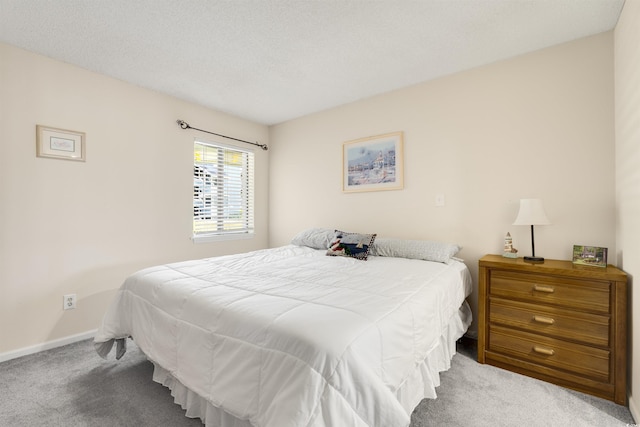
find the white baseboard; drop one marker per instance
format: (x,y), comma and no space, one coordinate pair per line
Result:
(633,409)
(14,354)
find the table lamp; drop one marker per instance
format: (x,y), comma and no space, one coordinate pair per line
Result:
(532,213)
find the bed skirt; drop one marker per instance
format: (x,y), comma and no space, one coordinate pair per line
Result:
(420,384)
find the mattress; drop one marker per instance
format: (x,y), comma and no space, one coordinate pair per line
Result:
(291,337)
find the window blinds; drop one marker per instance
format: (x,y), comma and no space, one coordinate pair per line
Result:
(223,183)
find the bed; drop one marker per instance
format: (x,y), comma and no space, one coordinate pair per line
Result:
(292,337)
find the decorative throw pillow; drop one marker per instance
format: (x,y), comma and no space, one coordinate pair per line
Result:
(415,249)
(354,245)
(316,238)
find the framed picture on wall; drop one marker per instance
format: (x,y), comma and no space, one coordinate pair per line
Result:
(60,143)
(373,163)
(590,255)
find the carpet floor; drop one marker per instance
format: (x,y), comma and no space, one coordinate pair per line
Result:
(72,386)
(471,394)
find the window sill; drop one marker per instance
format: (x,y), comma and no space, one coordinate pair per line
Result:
(207,238)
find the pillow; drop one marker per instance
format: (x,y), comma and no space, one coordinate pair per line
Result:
(316,238)
(415,249)
(352,245)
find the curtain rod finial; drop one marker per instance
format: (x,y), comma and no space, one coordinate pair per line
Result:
(183,124)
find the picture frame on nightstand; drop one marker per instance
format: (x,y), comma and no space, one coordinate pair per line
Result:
(594,256)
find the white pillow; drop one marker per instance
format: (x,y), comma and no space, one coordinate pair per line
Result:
(316,238)
(415,249)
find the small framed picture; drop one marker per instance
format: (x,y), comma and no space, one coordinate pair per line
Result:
(590,255)
(60,143)
(373,163)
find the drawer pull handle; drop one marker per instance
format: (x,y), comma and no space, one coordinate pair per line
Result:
(543,350)
(544,319)
(546,289)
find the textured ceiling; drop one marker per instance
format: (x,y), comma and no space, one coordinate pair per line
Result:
(271,61)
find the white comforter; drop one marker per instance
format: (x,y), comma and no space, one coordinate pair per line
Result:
(288,336)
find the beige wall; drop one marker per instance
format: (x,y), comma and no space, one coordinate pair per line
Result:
(70,227)
(539,125)
(627,125)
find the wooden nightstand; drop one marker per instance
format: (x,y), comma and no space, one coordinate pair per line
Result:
(555,321)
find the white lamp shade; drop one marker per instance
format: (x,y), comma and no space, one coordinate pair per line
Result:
(531,213)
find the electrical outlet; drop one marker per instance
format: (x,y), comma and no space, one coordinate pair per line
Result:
(69,302)
(439,200)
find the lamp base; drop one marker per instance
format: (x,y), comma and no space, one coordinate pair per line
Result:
(534,259)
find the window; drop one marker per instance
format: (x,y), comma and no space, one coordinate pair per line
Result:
(222,190)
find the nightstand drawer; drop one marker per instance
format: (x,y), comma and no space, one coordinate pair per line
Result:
(585,361)
(559,323)
(565,292)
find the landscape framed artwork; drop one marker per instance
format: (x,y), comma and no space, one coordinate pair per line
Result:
(374,163)
(590,255)
(60,143)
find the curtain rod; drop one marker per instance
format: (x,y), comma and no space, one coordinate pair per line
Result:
(185,125)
